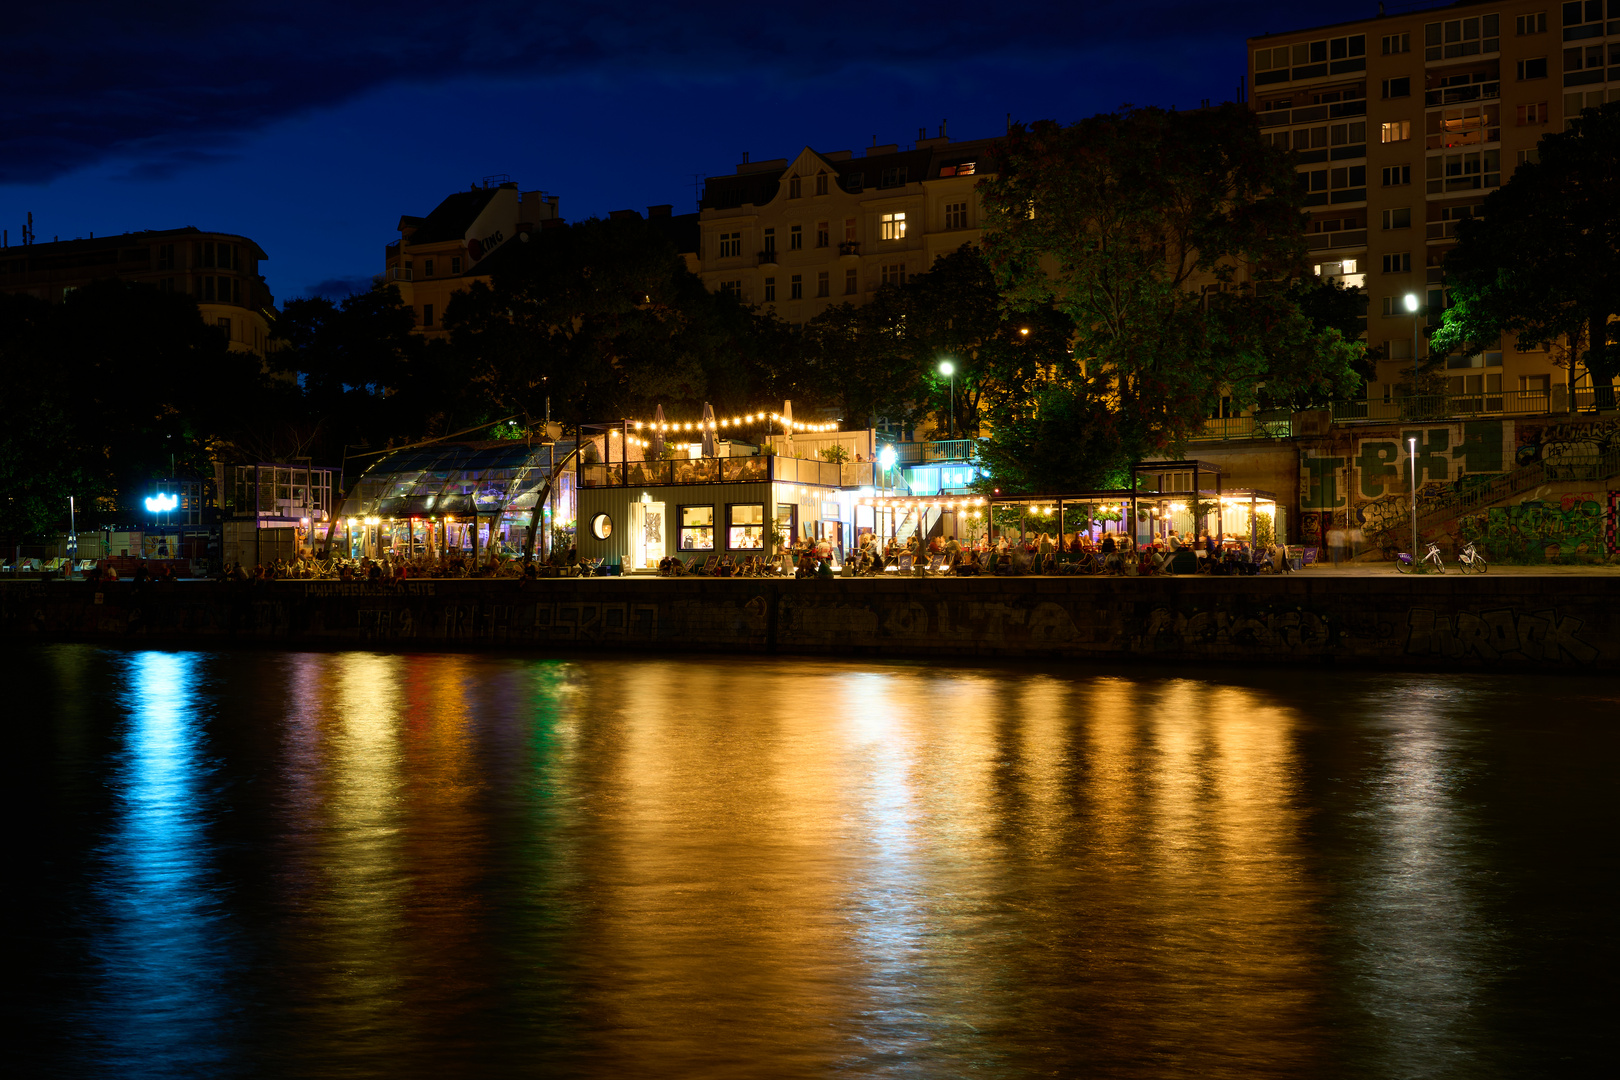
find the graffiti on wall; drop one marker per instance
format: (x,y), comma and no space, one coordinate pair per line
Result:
(1499,635)
(1572,524)
(1564,442)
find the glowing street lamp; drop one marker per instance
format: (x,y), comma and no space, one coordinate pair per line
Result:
(948,369)
(1412,306)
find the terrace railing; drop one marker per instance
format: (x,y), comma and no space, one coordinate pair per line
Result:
(762,468)
(936,450)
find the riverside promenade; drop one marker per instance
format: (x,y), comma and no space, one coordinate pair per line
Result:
(1529,619)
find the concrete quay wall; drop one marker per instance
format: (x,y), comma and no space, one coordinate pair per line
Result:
(1442,623)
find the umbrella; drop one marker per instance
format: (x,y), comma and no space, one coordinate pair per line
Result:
(708,431)
(787,424)
(656,451)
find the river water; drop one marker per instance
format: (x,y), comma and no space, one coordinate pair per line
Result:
(359,864)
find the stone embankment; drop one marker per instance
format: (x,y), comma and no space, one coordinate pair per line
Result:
(1485,623)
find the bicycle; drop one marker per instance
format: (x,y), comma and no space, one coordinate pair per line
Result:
(1469,559)
(1405,565)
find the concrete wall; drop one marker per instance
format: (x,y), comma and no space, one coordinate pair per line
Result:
(1486,623)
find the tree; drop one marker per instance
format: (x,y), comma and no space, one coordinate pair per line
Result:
(1117,220)
(1542,261)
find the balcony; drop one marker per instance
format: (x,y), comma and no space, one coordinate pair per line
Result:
(938,450)
(760,469)
(767,259)
(1457,95)
(1451,406)
(849,249)
(399,273)
(1266,425)
(1344,238)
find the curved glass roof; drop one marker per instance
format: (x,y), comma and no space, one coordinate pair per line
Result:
(463,478)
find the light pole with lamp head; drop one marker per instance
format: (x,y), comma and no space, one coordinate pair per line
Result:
(1412,467)
(886,460)
(948,369)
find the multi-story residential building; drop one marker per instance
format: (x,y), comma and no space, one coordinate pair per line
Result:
(221,270)
(830,227)
(446,251)
(1401,125)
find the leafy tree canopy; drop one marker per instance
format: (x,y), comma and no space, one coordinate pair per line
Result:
(1542,261)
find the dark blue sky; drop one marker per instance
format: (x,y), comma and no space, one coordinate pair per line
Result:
(311,127)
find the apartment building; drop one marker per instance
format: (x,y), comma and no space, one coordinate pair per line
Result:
(446,251)
(221,270)
(831,227)
(1402,124)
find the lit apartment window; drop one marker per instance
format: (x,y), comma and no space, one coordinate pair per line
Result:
(793,187)
(796,287)
(1395,131)
(956,215)
(823,234)
(893,227)
(427,268)
(455,265)
(1532,114)
(796,238)
(1531,24)
(823,283)
(770,290)
(964,168)
(1396,175)
(1461,37)
(1398,264)
(821,183)
(1532,69)
(427,312)
(852,282)
(1400,218)
(1398,88)
(1396,43)
(730,244)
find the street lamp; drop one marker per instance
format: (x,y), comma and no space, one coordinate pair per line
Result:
(1412,306)
(948,369)
(1412,467)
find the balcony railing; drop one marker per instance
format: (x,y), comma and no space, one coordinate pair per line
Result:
(850,247)
(399,273)
(759,469)
(1222,428)
(1344,238)
(938,450)
(1449,406)
(1456,95)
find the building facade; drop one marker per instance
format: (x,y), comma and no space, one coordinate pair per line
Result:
(826,228)
(449,249)
(1401,125)
(221,270)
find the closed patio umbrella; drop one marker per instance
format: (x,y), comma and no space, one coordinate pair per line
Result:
(709,449)
(656,451)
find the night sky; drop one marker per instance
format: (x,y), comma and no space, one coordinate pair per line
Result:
(311,127)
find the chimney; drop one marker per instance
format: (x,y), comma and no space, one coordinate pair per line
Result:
(661,210)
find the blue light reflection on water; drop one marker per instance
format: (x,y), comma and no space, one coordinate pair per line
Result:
(162,1000)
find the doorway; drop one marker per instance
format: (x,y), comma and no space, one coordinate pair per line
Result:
(646,535)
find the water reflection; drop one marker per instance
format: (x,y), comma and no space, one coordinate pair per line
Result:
(162,1004)
(496,866)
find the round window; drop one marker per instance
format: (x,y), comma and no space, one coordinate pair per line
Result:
(601,526)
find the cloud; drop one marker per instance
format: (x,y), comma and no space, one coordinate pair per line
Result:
(173,85)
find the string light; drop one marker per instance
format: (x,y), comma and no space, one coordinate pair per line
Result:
(732,421)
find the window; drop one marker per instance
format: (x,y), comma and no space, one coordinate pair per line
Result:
(770,290)
(964,168)
(731,288)
(793,187)
(455,265)
(1461,37)
(1396,43)
(893,227)
(849,230)
(1396,175)
(853,182)
(745,526)
(165,257)
(208,288)
(821,182)
(207,255)
(1535,384)
(1465,126)
(796,238)
(1398,219)
(427,314)
(823,234)
(1532,114)
(894,274)
(1346,184)
(166,285)
(1584,18)
(823,283)
(1531,24)
(956,215)
(427,270)
(1398,264)
(730,244)
(1398,88)
(697,528)
(787,517)
(1531,156)
(1395,131)
(770,241)
(895,176)
(1533,69)
(1464,172)
(1587,57)
(1310,59)
(852,282)
(225,325)
(796,287)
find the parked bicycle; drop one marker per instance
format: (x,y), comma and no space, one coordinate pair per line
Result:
(1469,559)
(1404,564)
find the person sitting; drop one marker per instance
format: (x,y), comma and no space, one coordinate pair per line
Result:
(1109,558)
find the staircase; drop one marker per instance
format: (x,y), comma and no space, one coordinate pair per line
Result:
(1520,480)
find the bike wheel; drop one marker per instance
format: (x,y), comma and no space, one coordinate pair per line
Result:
(1402,567)
(1480,565)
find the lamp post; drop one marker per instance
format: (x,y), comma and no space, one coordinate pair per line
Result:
(1412,306)
(1412,467)
(886,459)
(948,369)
